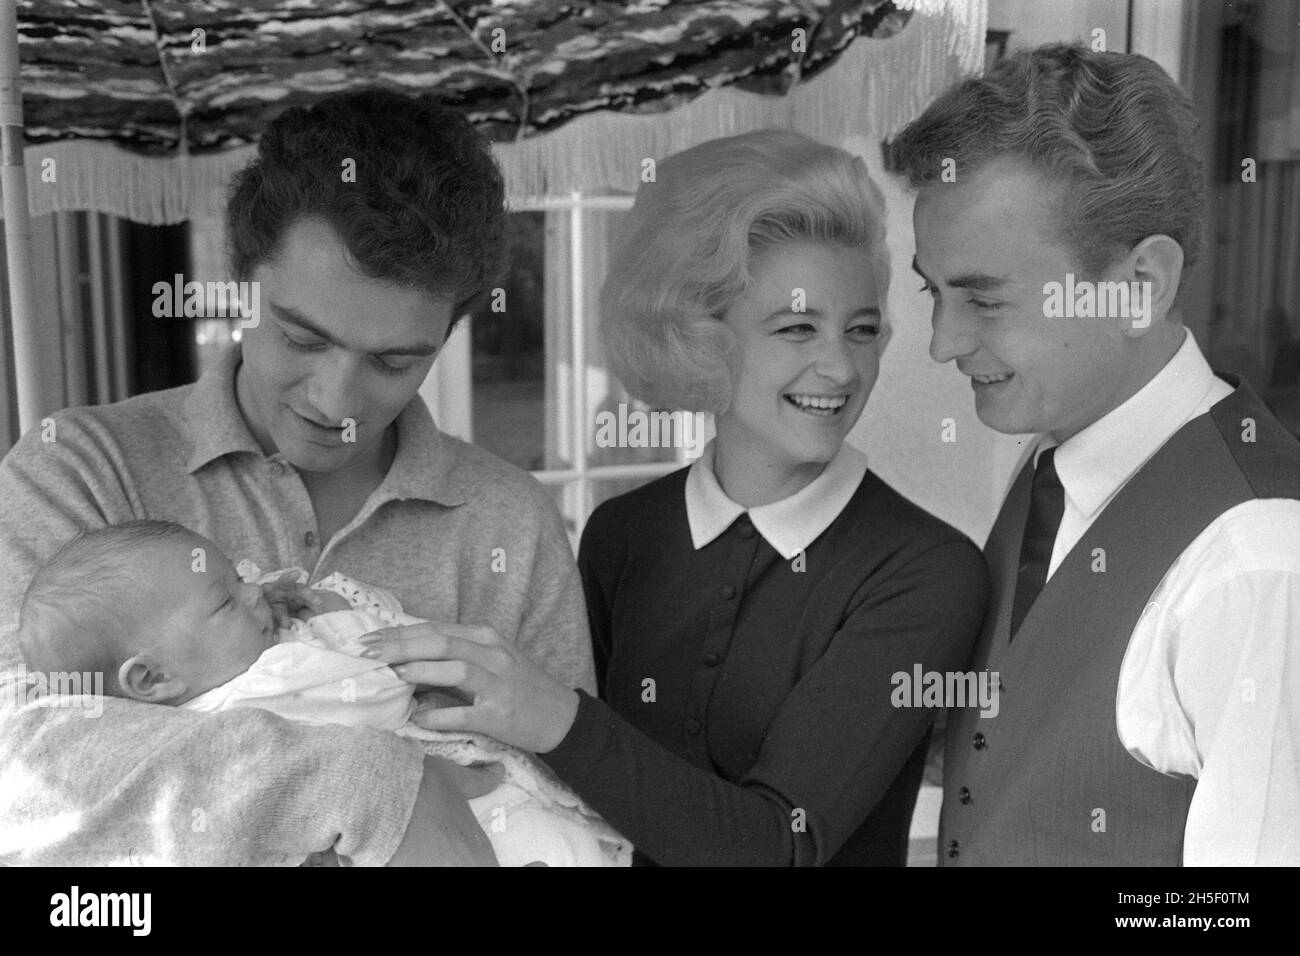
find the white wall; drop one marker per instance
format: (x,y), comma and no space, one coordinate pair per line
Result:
(1035,22)
(961,481)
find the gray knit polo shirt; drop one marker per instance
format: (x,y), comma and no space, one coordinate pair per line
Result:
(454,532)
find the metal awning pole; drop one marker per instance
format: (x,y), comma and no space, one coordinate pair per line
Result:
(18,230)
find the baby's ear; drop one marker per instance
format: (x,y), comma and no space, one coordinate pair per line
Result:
(144,679)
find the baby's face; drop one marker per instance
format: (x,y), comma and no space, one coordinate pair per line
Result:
(207,625)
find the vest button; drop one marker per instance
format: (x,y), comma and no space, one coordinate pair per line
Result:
(747,531)
(980,742)
(964,794)
(726,592)
(693,727)
(952,848)
(712,659)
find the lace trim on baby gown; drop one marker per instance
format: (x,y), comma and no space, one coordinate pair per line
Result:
(463,748)
(362,597)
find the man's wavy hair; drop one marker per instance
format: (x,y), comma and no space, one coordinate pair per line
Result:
(684,254)
(1112,129)
(427,209)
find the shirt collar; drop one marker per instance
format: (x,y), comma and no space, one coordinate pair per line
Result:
(213,424)
(1096,462)
(788,525)
(422,468)
(425,466)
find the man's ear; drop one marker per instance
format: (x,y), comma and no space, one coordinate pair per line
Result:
(143,678)
(1156,265)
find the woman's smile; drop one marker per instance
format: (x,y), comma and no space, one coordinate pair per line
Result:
(819,406)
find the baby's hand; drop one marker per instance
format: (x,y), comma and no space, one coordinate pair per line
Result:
(286,597)
(289,599)
(325,601)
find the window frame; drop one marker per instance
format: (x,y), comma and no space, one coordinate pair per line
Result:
(577,481)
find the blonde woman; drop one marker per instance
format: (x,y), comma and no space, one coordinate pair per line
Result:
(748,613)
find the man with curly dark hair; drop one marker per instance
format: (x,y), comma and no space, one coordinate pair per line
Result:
(368,223)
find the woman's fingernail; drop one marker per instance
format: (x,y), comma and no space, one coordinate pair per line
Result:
(370,652)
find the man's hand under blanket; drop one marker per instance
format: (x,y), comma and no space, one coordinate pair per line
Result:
(442,830)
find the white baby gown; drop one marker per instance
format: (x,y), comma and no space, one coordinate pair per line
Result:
(315,674)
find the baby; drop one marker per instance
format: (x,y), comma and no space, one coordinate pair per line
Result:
(162,613)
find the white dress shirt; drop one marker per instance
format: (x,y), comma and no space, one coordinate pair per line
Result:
(788,525)
(1210,684)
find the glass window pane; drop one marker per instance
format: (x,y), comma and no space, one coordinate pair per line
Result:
(508,332)
(560,417)
(208,263)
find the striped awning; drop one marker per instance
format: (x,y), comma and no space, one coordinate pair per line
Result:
(159,76)
(146,107)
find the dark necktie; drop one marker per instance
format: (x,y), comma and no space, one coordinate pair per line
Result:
(1046,505)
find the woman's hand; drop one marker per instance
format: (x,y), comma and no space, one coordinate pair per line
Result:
(514,700)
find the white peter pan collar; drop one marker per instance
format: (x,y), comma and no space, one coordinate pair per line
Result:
(788,525)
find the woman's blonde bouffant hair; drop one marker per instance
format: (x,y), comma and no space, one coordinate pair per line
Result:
(683,256)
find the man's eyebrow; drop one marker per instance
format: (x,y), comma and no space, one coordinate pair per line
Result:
(975,281)
(978,282)
(296,318)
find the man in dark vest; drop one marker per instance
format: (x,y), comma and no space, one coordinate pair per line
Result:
(1145,622)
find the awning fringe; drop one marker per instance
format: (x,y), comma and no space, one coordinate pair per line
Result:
(873,90)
